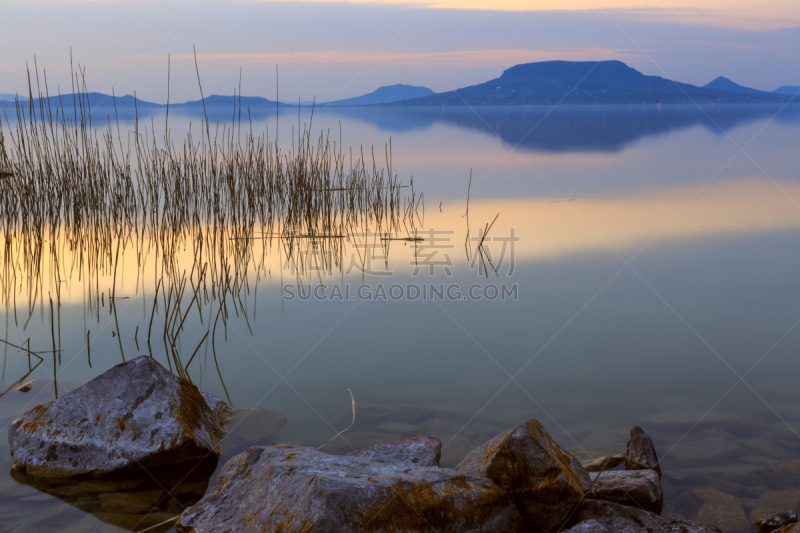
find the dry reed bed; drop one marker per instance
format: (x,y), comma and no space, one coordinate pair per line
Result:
(71,189)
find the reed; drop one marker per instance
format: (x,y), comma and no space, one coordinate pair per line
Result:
(74,186)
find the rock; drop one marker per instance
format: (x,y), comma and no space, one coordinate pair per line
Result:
(544,481)
(791,528)
(708,446)
(25,387)
(606,462)
(773,521)
(641,452)
(721,510)
(589,526)
(251,426)
(775,502)
(398,427)
(294,488)
(637,488)
(624,519)
(136,415)
(416,450)
(369,416)
(222,411)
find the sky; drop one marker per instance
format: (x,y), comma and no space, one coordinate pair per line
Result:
(331,49)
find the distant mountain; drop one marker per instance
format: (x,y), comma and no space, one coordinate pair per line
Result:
(8,97)
(386,95)
(791,90)
(94,100)
(587,82)
(724,84)
(217,100)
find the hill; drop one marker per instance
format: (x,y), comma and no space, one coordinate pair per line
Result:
(586,82)
(724,84)
(790,90)
(386,95)
(217,100)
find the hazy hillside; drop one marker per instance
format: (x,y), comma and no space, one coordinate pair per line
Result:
(386,95)
(588,82)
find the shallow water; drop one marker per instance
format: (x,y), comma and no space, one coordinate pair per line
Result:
(654,283)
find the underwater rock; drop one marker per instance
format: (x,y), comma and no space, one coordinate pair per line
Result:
(641,452)
(136,415)
(131,499)
(250,426)
(636,488)
(294,488)
(416,450)
(721,510)
(544,481)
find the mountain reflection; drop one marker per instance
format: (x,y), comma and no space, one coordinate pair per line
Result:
(606,129)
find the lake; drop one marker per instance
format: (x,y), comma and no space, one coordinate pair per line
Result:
(640,268)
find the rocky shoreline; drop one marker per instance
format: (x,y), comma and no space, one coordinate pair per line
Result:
(140,417)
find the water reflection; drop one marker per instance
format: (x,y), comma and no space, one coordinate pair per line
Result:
(545,129)
(134,500)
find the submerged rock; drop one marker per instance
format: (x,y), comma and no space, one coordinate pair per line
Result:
(250,426)
(606,462)
(721,510)
(773,521)
(545,482)
(294,488)
(636,488)
(641,452)
(775,502)
(130,499)
(624,519)
(416,450)
(136,415)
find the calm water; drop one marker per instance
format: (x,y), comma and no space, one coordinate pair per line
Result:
(654,282)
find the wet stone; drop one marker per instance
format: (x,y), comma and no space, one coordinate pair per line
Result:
(606,462)
(623,519)
(294,488)
(544,481)
(636,488)
(416,450)
(589,526)
(641,453)
(136,415)
(773,521)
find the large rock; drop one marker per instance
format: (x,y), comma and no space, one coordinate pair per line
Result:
(641,452)
(721,510)
(136,415)
(791,528)
(299,489)
(589,526)
(773,521)
(637,488)
(545,482)
(416,450)
(624,519)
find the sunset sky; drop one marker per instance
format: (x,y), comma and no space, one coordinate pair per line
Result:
(333,49)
